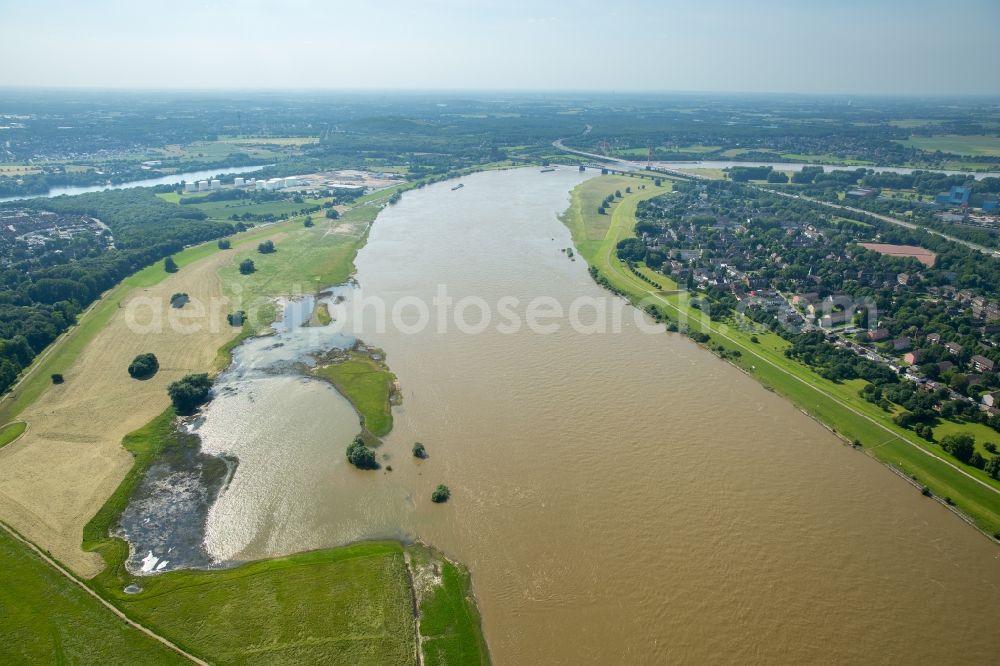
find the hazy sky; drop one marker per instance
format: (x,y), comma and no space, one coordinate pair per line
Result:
(922,47)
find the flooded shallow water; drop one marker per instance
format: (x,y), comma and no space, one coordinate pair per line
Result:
(624,498)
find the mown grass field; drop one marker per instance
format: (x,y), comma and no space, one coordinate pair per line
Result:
(959,144)
(349,605)
(47,619)
(836,405)
(368,385)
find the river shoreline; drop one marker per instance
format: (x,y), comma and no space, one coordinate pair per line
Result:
(674,311)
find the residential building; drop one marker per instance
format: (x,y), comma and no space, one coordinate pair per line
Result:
(982,364)
(832,319)
(878,334)
(803,300)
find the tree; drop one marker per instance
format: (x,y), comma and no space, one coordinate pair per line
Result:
(267,247)
(247,267)
(904,419)
(992,467)
(359,455)
(189,392)
(57,378)
(308,222)
(441,494)
(332,214)
(224,244)
(419,451)
(179,300)
(236,318)
(631,249)
(143,366)
(169,265)
(961,445)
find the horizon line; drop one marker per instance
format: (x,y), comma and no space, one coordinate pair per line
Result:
(485,90)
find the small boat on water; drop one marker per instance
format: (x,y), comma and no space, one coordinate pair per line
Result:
(547,169)
(458,187)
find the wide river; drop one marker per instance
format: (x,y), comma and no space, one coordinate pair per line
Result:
(619,498)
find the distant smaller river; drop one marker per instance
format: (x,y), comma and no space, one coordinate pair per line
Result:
(172,179)
(797,166)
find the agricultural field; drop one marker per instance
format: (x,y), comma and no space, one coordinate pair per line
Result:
(223,210)
(913,123)
(95,353)
(696,151)
(270,140)
(958,144)
(36,468)
(220,150)
(13,170)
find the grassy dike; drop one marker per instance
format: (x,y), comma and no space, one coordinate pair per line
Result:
(837,406)
(357,604)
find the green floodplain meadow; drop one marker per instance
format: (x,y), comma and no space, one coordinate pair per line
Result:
(356,604)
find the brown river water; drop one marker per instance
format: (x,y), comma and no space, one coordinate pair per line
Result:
(619,498)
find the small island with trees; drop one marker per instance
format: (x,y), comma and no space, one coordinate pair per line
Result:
(441,494)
